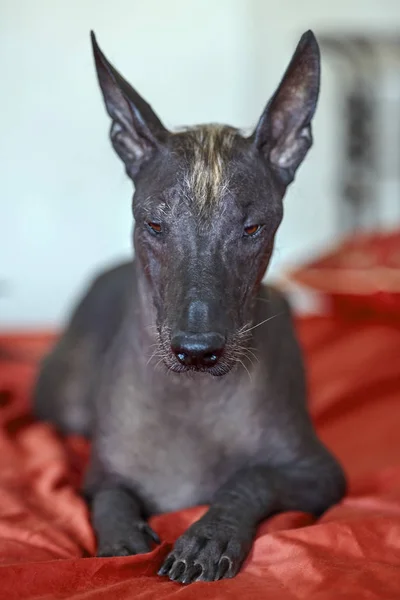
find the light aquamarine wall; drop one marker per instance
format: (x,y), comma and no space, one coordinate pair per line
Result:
(64,199)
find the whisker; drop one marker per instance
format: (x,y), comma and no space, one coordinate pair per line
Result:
(152,345)
(244,366)
(155,354)
(263,300)
(247,357)
(159,362)
(252,354)
(262,322)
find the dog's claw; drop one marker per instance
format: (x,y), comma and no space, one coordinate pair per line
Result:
(147,530)
(137,540)
(178,570)
(193,573)
(224,567)
(169,561)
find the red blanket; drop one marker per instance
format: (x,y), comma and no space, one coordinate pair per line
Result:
(353,552)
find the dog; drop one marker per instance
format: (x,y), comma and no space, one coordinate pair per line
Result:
(181,366)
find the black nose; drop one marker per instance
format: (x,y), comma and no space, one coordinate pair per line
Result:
(197,349)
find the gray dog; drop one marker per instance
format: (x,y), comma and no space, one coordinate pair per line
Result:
(181,366)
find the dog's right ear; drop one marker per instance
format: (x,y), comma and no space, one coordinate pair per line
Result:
(136,131)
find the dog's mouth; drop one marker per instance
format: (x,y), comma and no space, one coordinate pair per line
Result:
(222,367)
(218,364)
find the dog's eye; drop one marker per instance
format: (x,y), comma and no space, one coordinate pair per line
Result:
(154,227)
(252,230)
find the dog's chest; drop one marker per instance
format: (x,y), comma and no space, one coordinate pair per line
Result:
(178,453)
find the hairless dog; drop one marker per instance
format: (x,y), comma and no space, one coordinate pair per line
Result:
(181,366)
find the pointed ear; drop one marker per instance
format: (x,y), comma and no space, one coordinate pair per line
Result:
(136,131)
(283,133)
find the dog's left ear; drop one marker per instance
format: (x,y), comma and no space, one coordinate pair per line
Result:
(283,133)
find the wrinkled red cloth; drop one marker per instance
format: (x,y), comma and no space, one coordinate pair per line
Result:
(360,275)
(352,553)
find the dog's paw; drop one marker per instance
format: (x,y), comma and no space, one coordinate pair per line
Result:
(206,553)
(138,539)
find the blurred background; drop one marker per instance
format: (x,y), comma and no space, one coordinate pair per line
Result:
(64,198)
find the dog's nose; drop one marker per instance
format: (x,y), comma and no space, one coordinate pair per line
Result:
(199,350)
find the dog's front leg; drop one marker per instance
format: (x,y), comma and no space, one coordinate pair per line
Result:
(118,523)
(215,546)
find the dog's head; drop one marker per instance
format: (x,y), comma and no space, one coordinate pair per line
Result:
(207,205)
